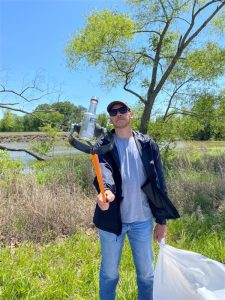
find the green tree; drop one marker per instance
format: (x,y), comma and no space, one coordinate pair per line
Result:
(11,122)
(218,123)
(187,127)
(71,113)
(164,132)
(42,115)
(204,113)
(204,120)
(153,50)
(60,115)
(103,120)
(8,121)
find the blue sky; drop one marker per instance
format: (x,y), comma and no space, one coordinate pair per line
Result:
(33,36)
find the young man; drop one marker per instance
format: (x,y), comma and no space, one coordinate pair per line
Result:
(127,210)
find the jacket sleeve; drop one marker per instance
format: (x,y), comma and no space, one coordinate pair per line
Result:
(159,168)
(107,174)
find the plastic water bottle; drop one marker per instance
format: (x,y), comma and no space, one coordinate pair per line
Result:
(88,124)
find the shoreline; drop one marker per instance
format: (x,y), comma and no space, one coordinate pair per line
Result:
(27,137)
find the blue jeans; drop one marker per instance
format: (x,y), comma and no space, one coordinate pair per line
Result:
(140,238)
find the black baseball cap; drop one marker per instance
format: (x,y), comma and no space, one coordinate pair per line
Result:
(109,107)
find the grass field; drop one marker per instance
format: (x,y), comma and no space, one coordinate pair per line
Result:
(49,249)
(68,269)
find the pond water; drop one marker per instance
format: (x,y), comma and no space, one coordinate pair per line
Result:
(65,150)
(27,159)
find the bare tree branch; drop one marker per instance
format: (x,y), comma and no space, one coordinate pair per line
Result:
(179,112)
(132,92)
(204,24)
(21,94)
(10,103)
(173,95)
(182,19)
(164,10)
(22,150)
(147,31)
(183,45)
(15,109)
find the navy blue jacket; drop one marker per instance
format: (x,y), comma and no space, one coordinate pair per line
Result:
(110,220)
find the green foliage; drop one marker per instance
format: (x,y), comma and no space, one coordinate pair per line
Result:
(30,123)
(103,120)
(203,121)
(48,115)
(8,121)
(200,62)
(152,50)
(11,122)
(71,113)
(42,115)
(219,23)
(187,128)
(163,131)
(103,31)
(218,123)
(136,121)
(44,146)
(75,167)
(59,115)
(8,167)
(195,179)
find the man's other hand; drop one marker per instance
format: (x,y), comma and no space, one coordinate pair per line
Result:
(160,231)
(109,198)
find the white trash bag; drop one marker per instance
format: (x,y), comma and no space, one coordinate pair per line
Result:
(186,275)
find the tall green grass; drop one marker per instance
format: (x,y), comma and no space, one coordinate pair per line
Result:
(64,169)
(68,269)
(59,270)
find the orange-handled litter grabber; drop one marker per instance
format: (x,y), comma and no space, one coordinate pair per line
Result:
(98,173)
(88,130)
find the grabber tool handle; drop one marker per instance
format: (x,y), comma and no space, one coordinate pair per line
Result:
(98,173)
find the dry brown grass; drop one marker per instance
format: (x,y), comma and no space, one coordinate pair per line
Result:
(30,211)
(64,198)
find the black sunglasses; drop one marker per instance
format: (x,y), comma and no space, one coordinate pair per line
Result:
(122,110)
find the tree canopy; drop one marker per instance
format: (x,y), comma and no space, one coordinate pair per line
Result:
(59,115)
(158,49)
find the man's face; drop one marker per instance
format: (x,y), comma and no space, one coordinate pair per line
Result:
(121,120)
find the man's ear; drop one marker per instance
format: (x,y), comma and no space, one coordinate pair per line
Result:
(131,114)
